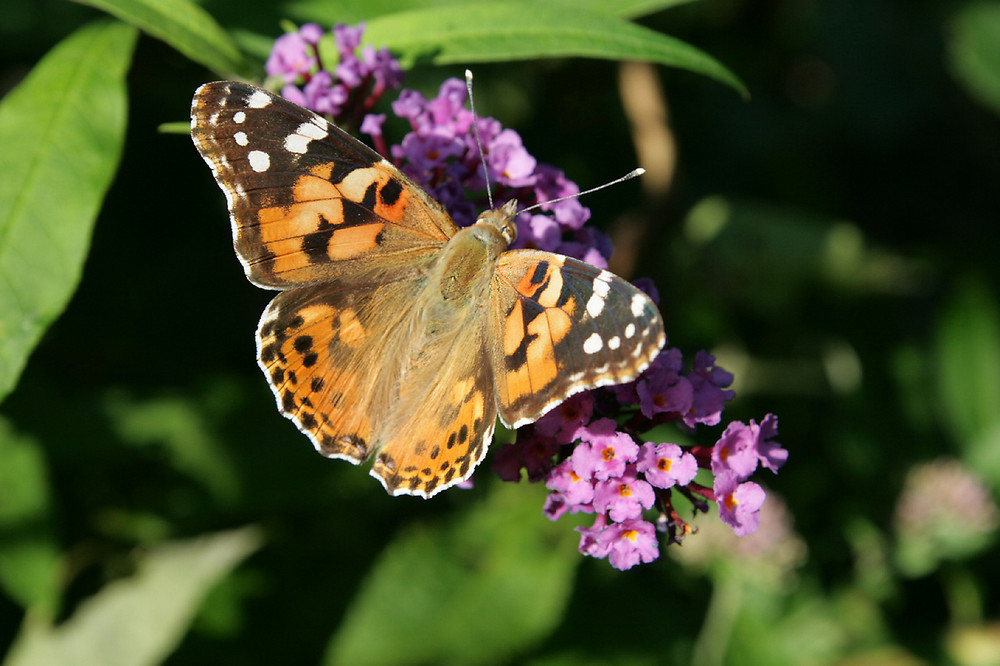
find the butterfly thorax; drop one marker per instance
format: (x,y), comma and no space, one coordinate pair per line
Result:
(467,263)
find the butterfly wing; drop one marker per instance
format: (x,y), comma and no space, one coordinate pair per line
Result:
(307,201)
(563,326)
(358,370)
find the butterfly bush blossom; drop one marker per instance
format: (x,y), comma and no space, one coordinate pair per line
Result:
(590,451)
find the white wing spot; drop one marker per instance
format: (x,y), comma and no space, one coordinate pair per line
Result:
(313,130)
(258,100)
(239,117)
(602,285)
(306,132)
(593,344)
(614,343)
(296,143)
(259,161)
(241,138)
(630,331)
(638,305)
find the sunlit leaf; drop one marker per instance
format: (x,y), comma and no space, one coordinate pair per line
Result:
(352,11)
(473,592)
(489,32)
(968,359)
(974,51)
(29,555)
(61,132)
(138,620)
(184,26)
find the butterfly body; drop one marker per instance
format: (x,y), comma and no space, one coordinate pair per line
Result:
(396,335)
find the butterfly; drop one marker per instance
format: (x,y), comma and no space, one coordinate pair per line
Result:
(397,335)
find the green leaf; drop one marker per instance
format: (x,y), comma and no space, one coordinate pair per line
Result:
(29,556)
(183,25)
(182,431)
(352,11)
(974,51)
(477,591)
(501,32)
(138,620)
(968,358)
(62,130)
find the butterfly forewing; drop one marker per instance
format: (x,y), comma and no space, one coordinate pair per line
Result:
(307,201)
(563,326)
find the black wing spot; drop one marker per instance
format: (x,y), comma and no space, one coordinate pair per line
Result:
(309,360)
(369,200)
(317,384)
(288,401)
(303,343)
(389,194)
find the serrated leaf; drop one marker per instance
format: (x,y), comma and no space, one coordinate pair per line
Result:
(488,32)
(62,130)
(183,25)
(974,51)
(29,556)
(477,591)
(138,620)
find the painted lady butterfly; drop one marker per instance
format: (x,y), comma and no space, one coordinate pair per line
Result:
(396,333)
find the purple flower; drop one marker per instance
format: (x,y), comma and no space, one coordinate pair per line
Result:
(631,542)
(771,455)
(311,33)
(647,285)
(430,150)
(344,92)
(574,489)
(539,232)
(739,503)
(372,125)
(383,67)
(290,57)
(604,452)
(736,450)
(666,465)
(661,388)
(593,540)
(563,422)
(348,38)
(623,497)
(531,452)
(508,159)
(323,95)
(743,446)
(708,381)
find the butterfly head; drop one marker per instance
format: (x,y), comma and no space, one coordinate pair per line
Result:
(502,220)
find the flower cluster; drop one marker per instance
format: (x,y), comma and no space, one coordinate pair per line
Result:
(589,451)
(441,154)
(614,473)
(348,91)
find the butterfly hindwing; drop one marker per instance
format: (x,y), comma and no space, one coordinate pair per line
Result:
(307,201)
(563,326)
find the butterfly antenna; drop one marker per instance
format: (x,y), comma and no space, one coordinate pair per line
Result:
(629,176)
(475,131)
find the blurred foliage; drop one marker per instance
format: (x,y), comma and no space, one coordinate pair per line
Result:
(833,238)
